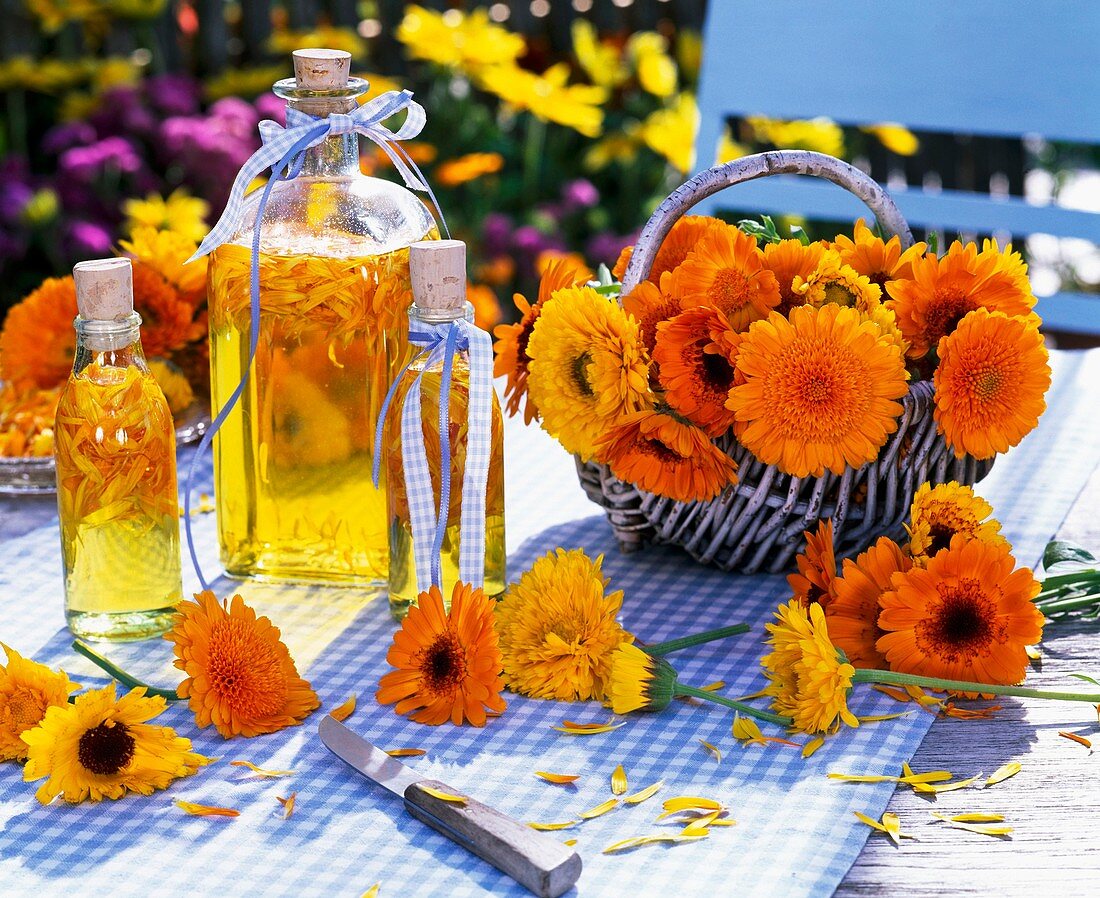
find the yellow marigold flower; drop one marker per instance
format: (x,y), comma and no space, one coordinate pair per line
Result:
(27,690)
(466,42)
(588,367)
(285,41)
(834,282)
(808,681)
(821,390)
(602,61)
(822,135)
(103,747)
(656,69)
(639,681)
(941,512)
(166,253)
(670,132)
(250,81)
(621,147)
(548,96)
(879,260)
(896,138)
(990,383)
(240,676)
(53,14)
(574,260)
(689,52)
(179,212)
(557,626)
(175,386)
(468,168)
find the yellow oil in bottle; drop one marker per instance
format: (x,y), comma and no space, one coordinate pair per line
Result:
(117,500)
(403,586)
(292,463)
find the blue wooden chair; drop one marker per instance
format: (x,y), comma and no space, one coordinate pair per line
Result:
(980,67)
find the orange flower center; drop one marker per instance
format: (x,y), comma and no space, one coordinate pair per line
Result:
(986,383)
(717,372)
(245,671)
(731,289)
(22,710)
(963,624)
(106,748)
(946,310)
(443,663)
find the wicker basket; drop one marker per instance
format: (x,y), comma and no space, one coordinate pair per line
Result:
(757,524)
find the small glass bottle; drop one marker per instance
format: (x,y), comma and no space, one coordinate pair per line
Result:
(116,470)
(438,272)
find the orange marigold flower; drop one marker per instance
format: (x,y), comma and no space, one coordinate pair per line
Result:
(511,339)
(787,260)
(167,320)
(966,616)
(943,290)
(486,305)
(696,352)
(573,260)
(990,383)
(468,168)
(660,454)
(27,690)
(448,665)
(880,260)
(941,512)
(820,391)
(854,609)
(649,305)
(726,271)
(816,568)
(240,676)
(681,240)
(38,342)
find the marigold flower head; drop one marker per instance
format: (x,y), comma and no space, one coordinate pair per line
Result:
(588,367)
(941,512)
(103,747)
(37,343)
(27,690)
(240,675)
(661,454)
(468,168)
(167,319)
(464,41)
(967,615)
(548,96)
(179,212)
(486,305)
(640,681)
(166,253)
(854,609)
(726,271)
(816,567)
(649,305)
(820,390)
(879,260)
(696,352)
(835,282)
(557,627)
(447,664)
(990,383)
(808,679)
(787,260)
(670,131)
(678,243)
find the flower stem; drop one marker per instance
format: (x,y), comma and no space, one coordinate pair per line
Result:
(532,156)
(119,674)
(681,689)
(1058,604)
(684,642)
(896,678)
(1049,584)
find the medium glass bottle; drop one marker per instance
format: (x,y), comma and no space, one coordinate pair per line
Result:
(439,285)
(116,471)
(292,463)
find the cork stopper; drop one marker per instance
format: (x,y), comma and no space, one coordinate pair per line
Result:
(316,69)
(438,272)
(104,289)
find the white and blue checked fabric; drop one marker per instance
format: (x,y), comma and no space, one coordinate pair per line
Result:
(795,834)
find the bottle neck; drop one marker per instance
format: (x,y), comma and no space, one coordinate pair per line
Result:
(113,344)
(334,157)
(418,315)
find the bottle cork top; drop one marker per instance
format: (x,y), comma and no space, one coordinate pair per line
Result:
(317,69)
(438,272)
(104,289)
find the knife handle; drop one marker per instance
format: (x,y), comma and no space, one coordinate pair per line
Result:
(533,859)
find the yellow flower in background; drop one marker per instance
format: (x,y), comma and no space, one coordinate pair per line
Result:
(179,212)
(103,747)
(548,96)
(175,386)
(41,208)
(136,9)
(466,42)
(167,252)
(621,147)
(244,82)
(115,71)
(557,626)
(76,105)
(575,261)
(27,690)
(283,42)
(468,168)
(54,14)
(820,134)
(379,84)
(896,138)
(46,75)
(656,69)
(671,132)
(689,53)
(730,149)
(602,61)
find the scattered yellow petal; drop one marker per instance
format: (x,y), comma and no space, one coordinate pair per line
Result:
(715,686)
(1073,737)
(863,778)
(877,718)
(406,752)
(647,792)
(712,750)
(443,796)
(639,841)
(372,892)
(760,693)
(1004,772)
(618,781)
(560,779)
(591,725)
(700,824)
(600,809)
(260,771)
(747,732)
(928,789)
(974,827)
(344,711)
(288,804)
(570,842)
(550,827)
(908,778)
(892,824)
(203,810)
(899,695)
(813,745)
(723,822)
(586,729)
(1033,652)
(691,802)
(974,818)
(953,710)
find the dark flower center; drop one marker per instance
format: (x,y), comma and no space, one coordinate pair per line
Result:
(580,373)
(939,538)
(106,748)
(717,371)
(444,664)
(945,312)
(963,624)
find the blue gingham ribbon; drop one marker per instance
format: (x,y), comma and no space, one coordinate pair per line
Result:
(440,342)
(283,152)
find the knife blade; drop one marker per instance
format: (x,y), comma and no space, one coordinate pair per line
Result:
(533,859)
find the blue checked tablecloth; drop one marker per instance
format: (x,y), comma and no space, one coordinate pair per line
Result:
(795,833)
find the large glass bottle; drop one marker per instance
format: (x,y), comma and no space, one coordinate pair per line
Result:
(292,464)
(116,471)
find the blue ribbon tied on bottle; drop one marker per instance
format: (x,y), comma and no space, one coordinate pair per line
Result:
(282,152)
(439,343)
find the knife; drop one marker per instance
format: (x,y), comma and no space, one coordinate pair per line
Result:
(533,859)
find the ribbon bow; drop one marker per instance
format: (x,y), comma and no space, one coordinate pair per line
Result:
(440,342)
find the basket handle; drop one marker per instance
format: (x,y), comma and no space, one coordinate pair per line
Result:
(749,168)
